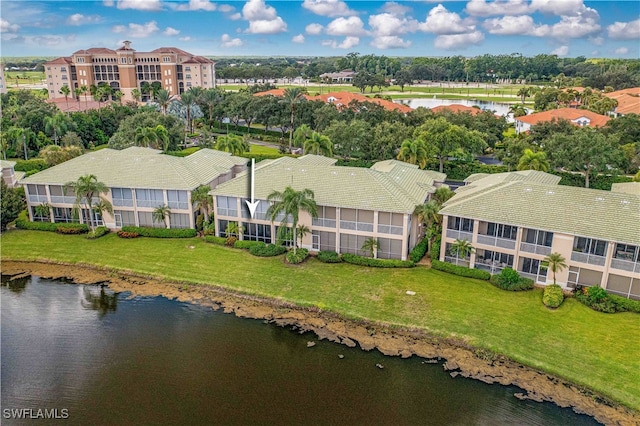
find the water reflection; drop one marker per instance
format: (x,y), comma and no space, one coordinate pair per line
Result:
(99,298)
(16,285)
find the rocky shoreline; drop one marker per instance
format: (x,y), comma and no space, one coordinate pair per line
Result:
(460,359)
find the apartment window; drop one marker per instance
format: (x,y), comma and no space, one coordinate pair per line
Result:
(63,69)
(322,240)
(63,215)
(179,220)
(146,219)
(97,218)
(390,248)
(583,276)
(37,193)
(533,266)
(352,243)
(188,76)
(390,223)
(80,60)
(122,197)
(590,246)
(227,206)
(42,217)
(187,68)
(178,199)
(188,84)
(261,209)
(166,59)
(493,259)
(541,238)
(123,60)
(124,218)
(627,252)
(502,231)
(326,217)
(149,197)
(460,224)
(48,68)
(361,220)
(257,232)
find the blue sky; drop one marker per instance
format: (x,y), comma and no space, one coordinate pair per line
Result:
(568,28)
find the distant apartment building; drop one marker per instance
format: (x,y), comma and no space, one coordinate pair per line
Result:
(125,69)
(577,117)
(3,82)
(516,219)
(354,203)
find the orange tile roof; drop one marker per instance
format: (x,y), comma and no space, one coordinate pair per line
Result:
(570,114)
(628,100)
(64,60)
(456,108)
(343,99)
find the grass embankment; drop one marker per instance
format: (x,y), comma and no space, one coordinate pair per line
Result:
(586,347)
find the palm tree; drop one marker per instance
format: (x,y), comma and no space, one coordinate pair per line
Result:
(86,188)
(162,214)
(197,92)
(517,110)
(524,92)
(556,263)
(188,100)
(77,91)
(144,136)
(289,203)
(43,210)
(21,137)
(533,161)
(145,89)
(118,95)
(103,206)
(156,87)
(234,230)
(65,90)
(202,200)
(461,249)
(318,144)
(85,90)
(234,144)
(164,99)
(413,152)
(136,94)
(292,97)
(56,124)
(210,98)
(301,134)
(371,245)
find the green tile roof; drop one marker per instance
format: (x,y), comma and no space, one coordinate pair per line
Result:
(7,164)
(626,188)
(138,167)
(584,212)
(397,189)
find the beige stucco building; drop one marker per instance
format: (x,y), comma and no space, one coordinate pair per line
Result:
(125,69)
(516,219)
(354,203)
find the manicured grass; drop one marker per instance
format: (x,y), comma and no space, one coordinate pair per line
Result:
(263,150)
(597,350)
(23,77)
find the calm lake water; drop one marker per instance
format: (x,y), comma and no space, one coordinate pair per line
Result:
(498,107)
(111,359)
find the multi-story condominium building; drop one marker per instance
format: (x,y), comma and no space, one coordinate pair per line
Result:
(3,83)
(124,69)
(516,219)
(354,203)
(139,180)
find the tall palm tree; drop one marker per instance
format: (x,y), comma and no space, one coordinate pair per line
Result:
(21,138)
(86,188)
(145,89)
(162,214)
(461,249)
(156,87)
(318,144)
(442,195)
(289,203)
(202,200)
(517,110)
(234,144)
(210,98)
(164,99)
(197,92)
(413,152)
(65,91)
(188,101)
(136,94)
(533,161)
(302,133)
(371,245)
(234,230)
(556,262)
(144,136)
(524,92)
(57,124)
(103,206)
(78,91)
(292,97)
(43,210)
(118,95)
(85,90)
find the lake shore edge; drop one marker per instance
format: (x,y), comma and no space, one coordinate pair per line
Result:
(459,358)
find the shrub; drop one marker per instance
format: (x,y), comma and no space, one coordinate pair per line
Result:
(509,279)
(61,228)
(328,256)
(72,228)
(35,165)
(230,241)
(100,231)
(552,296)
(435,248)
(144,231)
(247,244)
(125,234)
(298,256)
(215,240)
(460,270)
(419,250)
(267,250)
(625,305)
(599,300)
(376,263)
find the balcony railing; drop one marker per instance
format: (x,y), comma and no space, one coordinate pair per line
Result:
(123,202)
(38,198)
(57,199)
(456,261)
(149,203)
(492,266)
(327,223)
(625,265)
(459,235)
(496,242)
(592,259)
(534,248)
(390,229)
(178,205)
(227,212)
(356,226)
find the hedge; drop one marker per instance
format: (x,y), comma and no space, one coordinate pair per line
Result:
(61,228)
(460,270)
(328,256)
(435,248)
(215,240)
(247,244)
(298,257)
(419,250)
(36,164)
(599,300)
(376,263)
(510,280)
(268,250)
(552,296)
(124,234)
(161,232)
(100,231)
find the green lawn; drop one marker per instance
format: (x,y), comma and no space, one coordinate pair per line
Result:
(23,77)
(597,350)
(263,150)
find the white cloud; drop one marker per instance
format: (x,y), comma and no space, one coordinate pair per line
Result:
(441,21)
(498,7)
(621,51)
(185,38)
(262,19)
(170,31)
(347,43)
(235,16)
(330,8)
(455,41)
(577,26)
(313,29)
(108,3)
(389,42)
(149,5)
(226,8)
(137,30)
(568,27)
(598,41)
(351,26)
(80,19)
(561,51)
(395,8)
(205,5)
(7,27)
(298,39)
(227,41)
(559,7)
(386,24)
(624,30)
